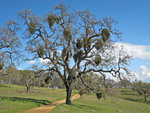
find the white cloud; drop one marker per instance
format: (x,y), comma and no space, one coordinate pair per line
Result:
(44,61)
(32,62)
(136,51)
(145,72)
(141,52)
(136,76)
(18,68)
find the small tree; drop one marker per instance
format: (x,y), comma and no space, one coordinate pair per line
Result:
(27,77)
(12,75)
(75,43)
(142,89)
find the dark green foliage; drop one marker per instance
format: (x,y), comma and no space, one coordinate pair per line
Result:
(51,20)
(105,35)
(67,34)
(40,52)
(97,60)
(41,85)
(1,66)
(87,43)
(99,95)
(78,55)
(32,27)
(79,44)
(82,91)
(48,80)
(99,44)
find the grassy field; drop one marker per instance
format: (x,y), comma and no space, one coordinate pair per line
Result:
(120,101)
(14,98)
(128,94)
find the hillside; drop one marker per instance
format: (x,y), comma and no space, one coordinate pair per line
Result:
(14,98)
(119,101)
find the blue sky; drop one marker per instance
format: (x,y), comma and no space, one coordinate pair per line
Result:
(132,15)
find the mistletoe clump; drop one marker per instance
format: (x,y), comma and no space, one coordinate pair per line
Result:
(97,60)
(32,27)
(51,20)
(99,44)
(40,52)
(87,43)
(105,35)
(79,43)
(67,34)
(78,55)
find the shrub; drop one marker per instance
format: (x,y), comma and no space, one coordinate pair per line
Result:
(99,95)
(82,91)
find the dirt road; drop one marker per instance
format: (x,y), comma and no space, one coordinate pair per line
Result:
(48,108)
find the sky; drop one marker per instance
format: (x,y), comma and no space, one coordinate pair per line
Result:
(133,21)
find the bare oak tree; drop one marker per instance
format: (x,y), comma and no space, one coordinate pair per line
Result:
(75,43)
(9,42)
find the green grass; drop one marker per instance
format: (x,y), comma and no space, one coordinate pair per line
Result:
(14,98)
(130,95)
(116,103)
(8,106)
(36,93)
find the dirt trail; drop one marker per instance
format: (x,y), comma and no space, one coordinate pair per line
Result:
(48,108)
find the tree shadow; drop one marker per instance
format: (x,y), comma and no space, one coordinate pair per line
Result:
(130,99)
(125,91)
(83,106)
(129,94)
(136,100)
(38,102)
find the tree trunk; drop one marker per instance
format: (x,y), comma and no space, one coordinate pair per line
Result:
(145,97)
(69,95)
(28,87)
